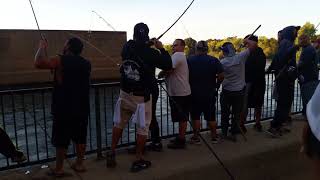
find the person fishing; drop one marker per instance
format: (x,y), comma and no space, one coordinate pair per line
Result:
(137,71)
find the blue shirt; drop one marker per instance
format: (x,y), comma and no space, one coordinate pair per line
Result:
(203,70)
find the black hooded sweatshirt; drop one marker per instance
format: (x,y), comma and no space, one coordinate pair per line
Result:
(286,54)
(151,59)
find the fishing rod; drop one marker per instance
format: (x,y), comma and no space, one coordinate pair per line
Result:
(242,45)
(35,17)
(317,26)
(176,20)
(201,137)
(104,20)
(184,27)
(96,48)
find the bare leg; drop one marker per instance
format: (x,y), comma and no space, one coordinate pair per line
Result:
(80,151)
(196,128)
(213,128)
(243,117)
(257,114)
(182,129)
(116,135)
(141,141)
(60,156)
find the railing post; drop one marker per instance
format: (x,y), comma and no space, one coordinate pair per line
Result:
(98,122)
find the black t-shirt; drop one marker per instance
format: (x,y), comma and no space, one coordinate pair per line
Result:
(255,67)
(203,70)
(71,96)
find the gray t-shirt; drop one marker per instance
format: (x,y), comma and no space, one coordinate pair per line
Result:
(234,71)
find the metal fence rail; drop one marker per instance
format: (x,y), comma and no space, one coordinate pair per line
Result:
(25,114)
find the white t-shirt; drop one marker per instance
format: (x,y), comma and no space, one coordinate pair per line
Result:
(178,80)
(234,71)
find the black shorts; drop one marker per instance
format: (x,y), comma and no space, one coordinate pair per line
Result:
(180,108)
(256,95)
(206,106)
(69,128)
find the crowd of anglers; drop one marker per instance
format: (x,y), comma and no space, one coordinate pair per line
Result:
(192,85)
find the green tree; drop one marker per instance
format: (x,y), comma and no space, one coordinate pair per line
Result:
(309,30)
(190,46)
(168,48)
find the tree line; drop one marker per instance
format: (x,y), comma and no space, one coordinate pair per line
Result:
(269,45)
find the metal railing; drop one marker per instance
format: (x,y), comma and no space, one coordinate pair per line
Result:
(25,114)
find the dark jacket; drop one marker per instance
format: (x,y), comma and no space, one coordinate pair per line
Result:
(307,66)
(151,60)
(255,67)
(286,54)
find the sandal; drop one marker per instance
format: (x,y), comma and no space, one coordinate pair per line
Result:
(139,165)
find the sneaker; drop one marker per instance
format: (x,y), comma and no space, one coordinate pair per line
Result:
(111,160)
(155,146)
(19,157)
(274,133)
(257,127)
(139,165)
(195,140)
(177,144)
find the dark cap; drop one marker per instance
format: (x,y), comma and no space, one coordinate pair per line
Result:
(141,32)
(252,38)
(202,45)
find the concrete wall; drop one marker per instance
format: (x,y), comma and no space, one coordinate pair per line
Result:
(18,47)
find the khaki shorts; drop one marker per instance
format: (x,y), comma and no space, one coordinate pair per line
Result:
(128,106)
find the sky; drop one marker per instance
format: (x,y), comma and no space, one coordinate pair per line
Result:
(206,19)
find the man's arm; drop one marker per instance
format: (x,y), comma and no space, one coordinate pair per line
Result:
(163,60)
(251,45)
(41,59)
(243,55)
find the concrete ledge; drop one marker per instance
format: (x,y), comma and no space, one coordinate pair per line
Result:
(261,157)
